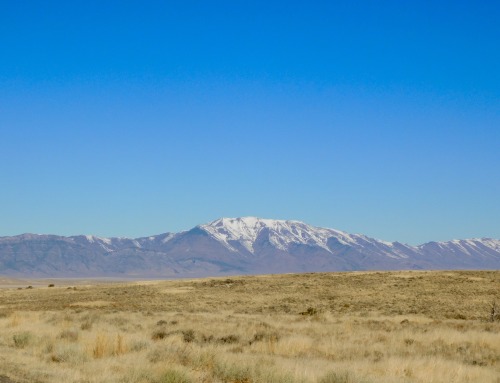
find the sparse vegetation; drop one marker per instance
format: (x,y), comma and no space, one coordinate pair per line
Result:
(495,312)
(69,335)
(310,328)
(174,376)
(22,339)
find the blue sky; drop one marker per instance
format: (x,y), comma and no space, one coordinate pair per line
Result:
(135,118)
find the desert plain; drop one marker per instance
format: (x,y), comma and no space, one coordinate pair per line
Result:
(349,327)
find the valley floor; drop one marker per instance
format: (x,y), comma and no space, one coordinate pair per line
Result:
(367,327)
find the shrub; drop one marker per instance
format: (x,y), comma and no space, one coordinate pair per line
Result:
(118,321)
(188,336)
(161,322)
(339,377)
(142,375)
(336,377)
(310,311)
(86,325)
(207,339)
(22,339)
(229,339)
(88,320)
(159,335)
(68,354)
(139,345)
(69,335)
(495,312)
(174,376)
(272,337)
(5,314)
(377,356)
(232,373)
(158,355)
(409,341)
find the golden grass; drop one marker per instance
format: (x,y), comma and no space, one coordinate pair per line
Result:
(322,328)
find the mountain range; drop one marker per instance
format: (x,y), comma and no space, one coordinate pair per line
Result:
(230,246)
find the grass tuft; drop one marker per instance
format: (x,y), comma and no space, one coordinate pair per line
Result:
(23,339)
(174,376)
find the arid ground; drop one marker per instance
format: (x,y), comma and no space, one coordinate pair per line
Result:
(367,327)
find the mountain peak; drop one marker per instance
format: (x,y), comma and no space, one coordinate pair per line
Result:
(282,233)
(250,221)
(243,230)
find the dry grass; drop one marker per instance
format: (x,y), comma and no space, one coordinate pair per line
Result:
(322,328)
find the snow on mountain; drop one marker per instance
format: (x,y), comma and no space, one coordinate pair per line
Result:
(286,235)
(484,247)
(235,246)
(282,233)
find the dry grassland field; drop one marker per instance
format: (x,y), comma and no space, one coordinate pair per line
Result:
(324,328)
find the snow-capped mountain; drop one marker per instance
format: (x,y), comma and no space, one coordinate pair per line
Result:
(287,236)
(235,246)
(281,234)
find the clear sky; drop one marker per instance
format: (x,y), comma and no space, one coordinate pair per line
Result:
(132,118)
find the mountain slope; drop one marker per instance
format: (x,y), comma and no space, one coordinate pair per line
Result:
(234,246)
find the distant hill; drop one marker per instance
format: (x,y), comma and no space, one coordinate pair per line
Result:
(230,246)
